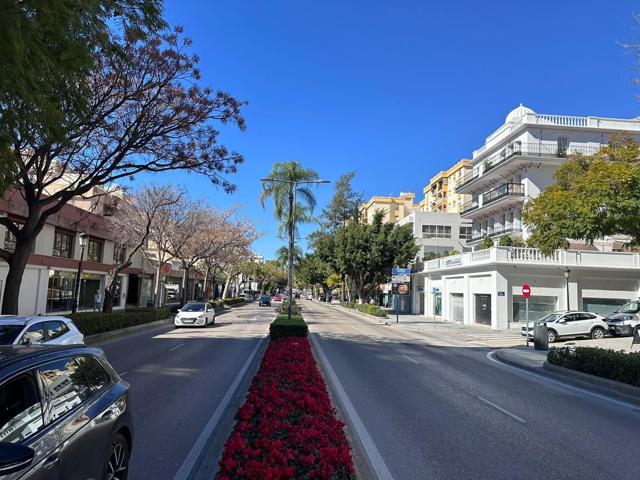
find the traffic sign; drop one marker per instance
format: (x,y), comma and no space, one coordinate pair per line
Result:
(526,290)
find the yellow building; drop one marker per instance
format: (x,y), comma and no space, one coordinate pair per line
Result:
(394,208)
(440,196)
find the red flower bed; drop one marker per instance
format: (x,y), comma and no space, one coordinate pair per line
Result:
(287,427)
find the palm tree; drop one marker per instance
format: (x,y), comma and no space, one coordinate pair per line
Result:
(288,186)
(282,256)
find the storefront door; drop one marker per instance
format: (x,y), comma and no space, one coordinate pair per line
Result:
(483,309)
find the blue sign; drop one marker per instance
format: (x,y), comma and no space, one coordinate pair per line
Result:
(453,261)
(400,271)
(435,290)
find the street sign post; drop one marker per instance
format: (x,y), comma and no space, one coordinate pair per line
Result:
(526,293)
(401,285)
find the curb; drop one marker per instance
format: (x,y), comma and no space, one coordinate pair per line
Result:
(99,337)
(513,363)
(619,390)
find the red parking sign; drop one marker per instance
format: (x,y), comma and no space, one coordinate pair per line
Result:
(526,290)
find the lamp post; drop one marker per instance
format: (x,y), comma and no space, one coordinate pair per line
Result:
(82,240)
(566,280)
(291,221)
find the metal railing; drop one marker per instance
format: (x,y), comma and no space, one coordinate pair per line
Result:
(497,233)
(504,190)
(470,205)
(517,148)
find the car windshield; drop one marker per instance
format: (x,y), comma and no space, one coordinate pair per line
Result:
(193,307)
(631,307)
(9,333)
(552,317)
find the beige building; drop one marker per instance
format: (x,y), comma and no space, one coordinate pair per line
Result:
(440,194)
(394,208)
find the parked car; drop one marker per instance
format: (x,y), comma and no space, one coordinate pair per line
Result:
(277,298)
(195,314)
(64,414)
(567,324)
(626,321)
(264,301)
(335,301)
(26,330)
(309,297)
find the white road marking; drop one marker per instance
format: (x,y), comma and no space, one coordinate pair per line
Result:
(176,347)
(377,463)
(409,358)
(499,408)
(194,454)
(557,383)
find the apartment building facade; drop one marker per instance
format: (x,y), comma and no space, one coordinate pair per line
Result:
(517,162)
(394,208)
(440,194)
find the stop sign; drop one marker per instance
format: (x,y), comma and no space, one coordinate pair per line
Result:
(526,290)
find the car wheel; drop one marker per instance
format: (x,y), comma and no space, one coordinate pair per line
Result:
(553,336)
(597,333)
(117,466)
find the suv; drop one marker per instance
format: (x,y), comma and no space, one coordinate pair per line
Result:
(570,324)
(626,321)
(265,300)
(64,413)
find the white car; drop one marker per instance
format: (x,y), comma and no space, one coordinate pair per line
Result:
(309,297)
(570,324)
(195,314)
(29,330)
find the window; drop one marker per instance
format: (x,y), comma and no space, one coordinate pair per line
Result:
(60,290)
(465,233)
(34,334)
(95,373)
(119,253)
(65,385)
(9,333)
(10,241)
(563,146)
(602,306)
(63,244)
(94,250)
(56,329)
(436,231)
(20,409)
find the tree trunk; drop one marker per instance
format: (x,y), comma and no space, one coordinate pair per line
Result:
(107,303)
(156,290)
(204,286)
(226,287)
(185,282)
(17,265)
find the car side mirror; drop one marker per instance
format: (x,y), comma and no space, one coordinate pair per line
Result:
(562,320)
(14,457)
(179,310)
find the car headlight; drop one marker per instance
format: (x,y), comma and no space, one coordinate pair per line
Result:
(201,317)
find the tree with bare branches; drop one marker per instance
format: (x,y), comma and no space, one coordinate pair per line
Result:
(147,113)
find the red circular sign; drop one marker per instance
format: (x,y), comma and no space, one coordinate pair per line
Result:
(526,290)
(166,268)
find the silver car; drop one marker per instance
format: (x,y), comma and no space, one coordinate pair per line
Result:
(195,314)
(36,329)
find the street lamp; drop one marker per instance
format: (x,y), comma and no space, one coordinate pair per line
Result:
(82,240)
(293,187)
(566,280)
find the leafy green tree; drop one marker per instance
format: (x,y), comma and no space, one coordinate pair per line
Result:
(367,252)
(592,197)
(282,256)
(313,271)
(344,205)
(485,243)
(47,53)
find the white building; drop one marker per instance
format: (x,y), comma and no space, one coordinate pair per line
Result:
(518,160)
(514,165)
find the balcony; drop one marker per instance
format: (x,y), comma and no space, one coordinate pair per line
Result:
(533,256)
(469,206)
(504,190)
(497,233)
(519,149)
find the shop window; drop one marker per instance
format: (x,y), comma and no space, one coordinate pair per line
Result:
(94,250)
(63,244)
(602,306)
(60,290)
(119,253)
(539,306)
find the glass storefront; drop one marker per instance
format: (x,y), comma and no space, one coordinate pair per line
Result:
(146,292)
(602,306)
(60,290)
(539,306)
(90,283)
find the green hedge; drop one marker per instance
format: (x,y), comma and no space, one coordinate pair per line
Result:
(606,363)
(366,308)
(90,323)
(282,327)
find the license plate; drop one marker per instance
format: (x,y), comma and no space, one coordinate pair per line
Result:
(187,320)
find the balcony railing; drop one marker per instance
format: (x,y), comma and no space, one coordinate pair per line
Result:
(497,233)
(504,190)
(543,150)
(470,205)
(524,255)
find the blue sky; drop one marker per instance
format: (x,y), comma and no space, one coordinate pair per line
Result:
(396,90)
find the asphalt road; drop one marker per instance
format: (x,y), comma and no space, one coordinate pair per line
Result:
(434,411)
(178,378)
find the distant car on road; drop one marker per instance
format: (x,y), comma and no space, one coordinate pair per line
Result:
(626,321)
(64,413)
(264,301)
(309,297)
(565,324)
(27,330)
(195,314)
(335,301)
(277,298)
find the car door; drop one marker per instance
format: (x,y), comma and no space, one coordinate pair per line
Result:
(566,326)
(33,334)
(69,398)
(583,323)
(22,421)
